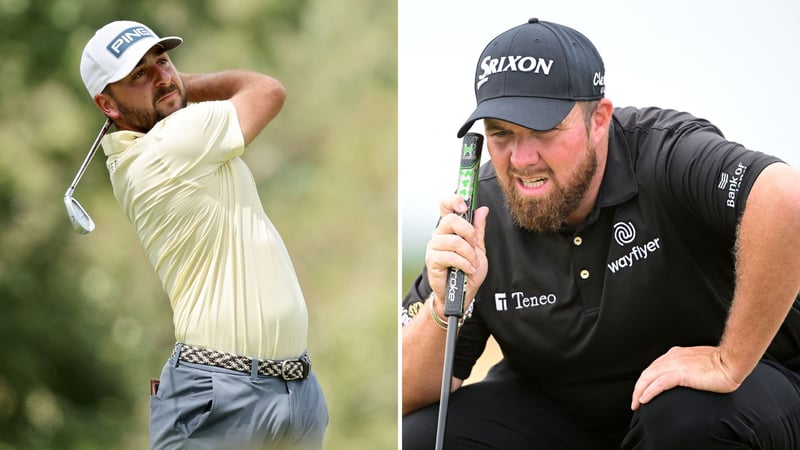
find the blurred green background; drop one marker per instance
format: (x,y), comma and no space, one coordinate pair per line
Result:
(84,323)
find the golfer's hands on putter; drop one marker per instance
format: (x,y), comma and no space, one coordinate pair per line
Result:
(457,243)
(701,368)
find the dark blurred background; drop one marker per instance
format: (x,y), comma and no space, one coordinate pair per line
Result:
(84,323)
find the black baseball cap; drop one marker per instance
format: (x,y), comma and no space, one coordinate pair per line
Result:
(532,75)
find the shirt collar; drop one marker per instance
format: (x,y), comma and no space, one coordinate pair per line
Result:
(619,181)
(119,141)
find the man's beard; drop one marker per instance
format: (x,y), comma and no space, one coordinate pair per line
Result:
(549,213)
(144,120)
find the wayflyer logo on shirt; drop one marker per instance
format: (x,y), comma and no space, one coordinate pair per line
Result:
(625,234)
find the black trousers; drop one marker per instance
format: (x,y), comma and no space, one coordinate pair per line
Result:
(502,412)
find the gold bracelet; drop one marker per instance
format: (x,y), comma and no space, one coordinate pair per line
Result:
(439,321)
(436,319)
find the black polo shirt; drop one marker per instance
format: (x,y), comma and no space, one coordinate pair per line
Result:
(583,311)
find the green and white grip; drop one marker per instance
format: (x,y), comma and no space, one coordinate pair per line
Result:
(471,147)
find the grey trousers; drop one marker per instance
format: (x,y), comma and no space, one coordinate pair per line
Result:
(205,407)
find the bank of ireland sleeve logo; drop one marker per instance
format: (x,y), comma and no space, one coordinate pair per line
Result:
(732,184)
(624,233)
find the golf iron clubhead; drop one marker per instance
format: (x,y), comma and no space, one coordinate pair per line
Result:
(78,216)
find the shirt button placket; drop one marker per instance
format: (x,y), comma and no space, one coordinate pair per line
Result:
(577,241)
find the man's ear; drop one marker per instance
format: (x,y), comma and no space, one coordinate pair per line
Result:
(601,119)
(107,105)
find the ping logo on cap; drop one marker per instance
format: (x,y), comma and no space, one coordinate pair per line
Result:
(127,38)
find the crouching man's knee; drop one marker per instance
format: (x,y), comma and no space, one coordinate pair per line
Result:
(682,418)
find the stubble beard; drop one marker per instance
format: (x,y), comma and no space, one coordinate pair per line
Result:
(550,213)
(143,119)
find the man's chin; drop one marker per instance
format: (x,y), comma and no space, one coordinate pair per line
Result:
(170,103)
(540,213)
(167,109)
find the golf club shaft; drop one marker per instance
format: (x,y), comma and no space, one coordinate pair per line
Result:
(88,159)
(447,376)
(471,147)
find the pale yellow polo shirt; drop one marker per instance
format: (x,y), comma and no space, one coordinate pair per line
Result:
(194,205)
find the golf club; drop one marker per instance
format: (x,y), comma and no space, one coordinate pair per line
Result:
(471,147)
(78,216)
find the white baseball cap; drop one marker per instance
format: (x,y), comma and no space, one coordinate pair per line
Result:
(114,50)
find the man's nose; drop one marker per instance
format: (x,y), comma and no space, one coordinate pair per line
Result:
(525,152)
(162,76)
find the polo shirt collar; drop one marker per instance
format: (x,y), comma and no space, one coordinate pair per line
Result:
(119,141)
(619,180)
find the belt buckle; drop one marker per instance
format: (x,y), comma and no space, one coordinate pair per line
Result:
(286,376)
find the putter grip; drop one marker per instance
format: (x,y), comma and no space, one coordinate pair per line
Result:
(456,287)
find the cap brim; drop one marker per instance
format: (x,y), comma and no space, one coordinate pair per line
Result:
(168,43)
(535,113)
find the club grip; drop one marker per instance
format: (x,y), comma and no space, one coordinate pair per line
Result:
(456,288)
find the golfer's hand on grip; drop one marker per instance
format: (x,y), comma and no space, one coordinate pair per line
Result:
(457,243)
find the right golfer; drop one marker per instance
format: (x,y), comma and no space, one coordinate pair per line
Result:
(639,272)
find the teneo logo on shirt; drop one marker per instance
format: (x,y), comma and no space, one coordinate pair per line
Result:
(512,63)
(127,38)
(519,300)
(732,183)
(624,234)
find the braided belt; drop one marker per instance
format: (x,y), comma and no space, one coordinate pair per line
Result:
(288,369)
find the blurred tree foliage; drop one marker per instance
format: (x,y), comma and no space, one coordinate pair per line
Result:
(84,322)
